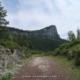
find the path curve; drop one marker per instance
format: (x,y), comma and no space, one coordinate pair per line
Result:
(41,68)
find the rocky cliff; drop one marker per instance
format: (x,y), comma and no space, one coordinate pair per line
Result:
(49,32)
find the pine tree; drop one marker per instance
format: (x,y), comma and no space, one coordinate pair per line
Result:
(78,34)
(71,36)
(3,14)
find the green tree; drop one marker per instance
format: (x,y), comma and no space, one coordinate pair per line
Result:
(3,14)
(78,34)
(71,36)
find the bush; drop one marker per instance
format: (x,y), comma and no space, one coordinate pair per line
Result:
(9,44)
(27,53)
(64,52)
(57,52)
(77,58)
(6,77)
(70,54)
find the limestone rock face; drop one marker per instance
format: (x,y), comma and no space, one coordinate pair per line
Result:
(49,32)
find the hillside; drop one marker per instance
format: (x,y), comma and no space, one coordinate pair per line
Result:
(43,39)
(71,51)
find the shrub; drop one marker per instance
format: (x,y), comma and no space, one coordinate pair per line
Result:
(57,52)
(6,77)
(9,44)
(64,52)
(70,55)
(77,58)
(27,53)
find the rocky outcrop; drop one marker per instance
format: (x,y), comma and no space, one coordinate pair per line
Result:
(49,32)
(9,58)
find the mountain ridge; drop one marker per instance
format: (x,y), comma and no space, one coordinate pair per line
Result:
(43,39)
(48,32)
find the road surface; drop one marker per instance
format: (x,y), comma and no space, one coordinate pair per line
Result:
(42,68)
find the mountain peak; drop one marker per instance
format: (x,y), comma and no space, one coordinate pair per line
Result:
(50,32)
(50,27)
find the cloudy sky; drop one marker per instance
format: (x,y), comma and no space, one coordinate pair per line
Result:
(36,14)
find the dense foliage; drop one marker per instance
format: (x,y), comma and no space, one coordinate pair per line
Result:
(3,14)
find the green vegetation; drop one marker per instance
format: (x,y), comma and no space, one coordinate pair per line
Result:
(13,39)
(6,77)
(71,50)
(44,44)
(68,66)
(3,12)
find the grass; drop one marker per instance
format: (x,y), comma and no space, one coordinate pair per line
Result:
(68,66)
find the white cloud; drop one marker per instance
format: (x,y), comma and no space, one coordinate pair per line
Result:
(35,14)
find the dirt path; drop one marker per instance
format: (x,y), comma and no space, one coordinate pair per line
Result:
(41,68)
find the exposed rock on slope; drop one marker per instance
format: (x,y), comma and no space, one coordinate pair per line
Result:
(49,32)
(45,33)
(9,58)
